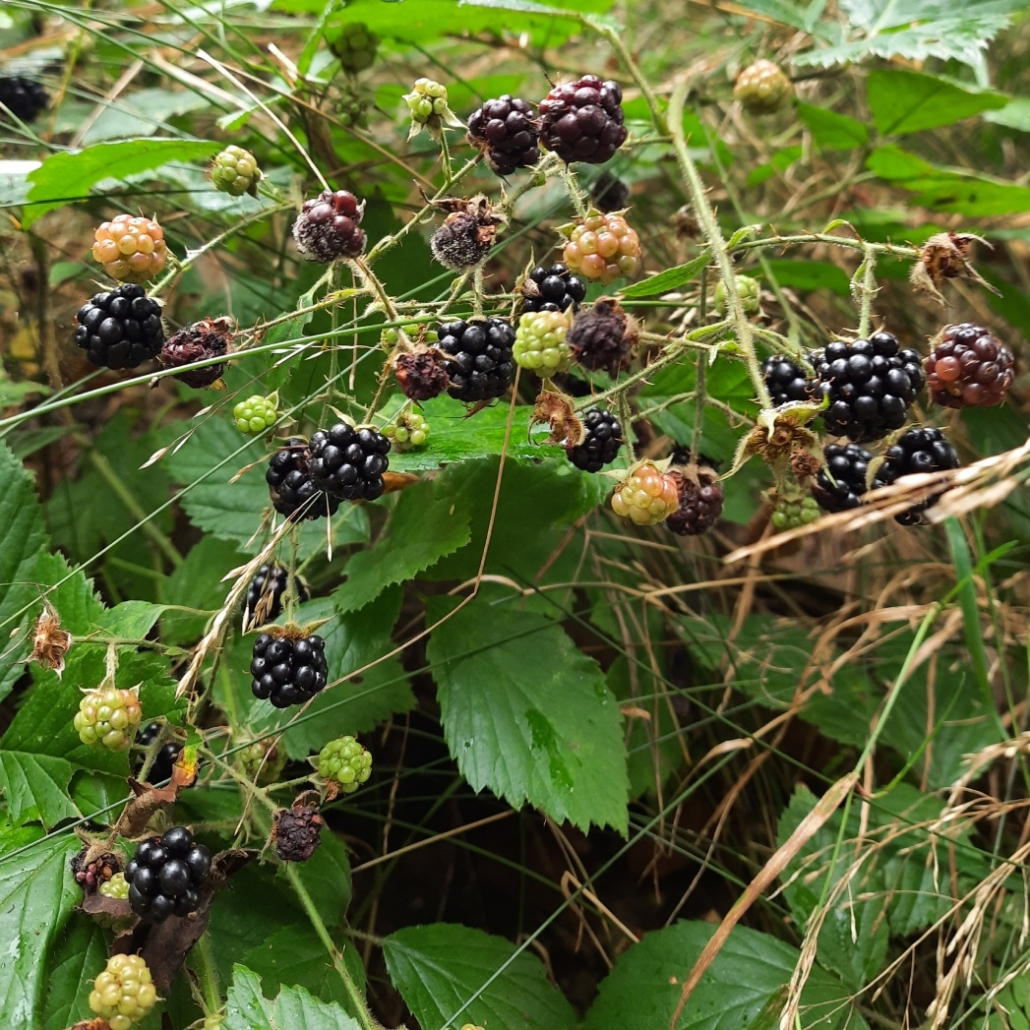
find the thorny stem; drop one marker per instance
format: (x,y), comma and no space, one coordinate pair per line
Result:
(702,372)
(823,237)
(867,291)
(568,177)
(713,234)
(207,973)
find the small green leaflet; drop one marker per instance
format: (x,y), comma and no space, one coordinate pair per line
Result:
(904,101)
(248,1008)
(670,279)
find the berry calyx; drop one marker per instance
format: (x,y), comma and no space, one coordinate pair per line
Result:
(762,87)
(969,368)
(918,450)
(603,247)
(345,763)
(124,993)
(327,227)
(786,380)
(109,717)
(602,438)
(256,414)
(167,874)
(609,194)
(120,328)
(235,171)
(843,479)
(794,512)
(116,887)
(166,757)
(25,98)
(479,358)
(870,386)
(410,432)
(267,590)
(506,131)
(288,670)
(647,496)
(262,761)
(209,338)
(552,289)
(583,120)
(603,337)
(293,492)
(700,500)
(355,46)
(348,463)
(130,248)
(540,343)
(749,290)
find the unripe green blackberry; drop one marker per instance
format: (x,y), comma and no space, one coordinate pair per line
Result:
(351,111)
(255,415)
(355,46)
(124,992)
(109,716)
(762,87)
(647,496)
(793,513)
(346,763)
(426,101)
(235,171)
(410,432)
(262,761)
(540,343)
(116,887)
(749,290)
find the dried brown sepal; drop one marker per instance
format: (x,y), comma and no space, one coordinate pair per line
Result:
(685,223)
(395,481)
(557,411)
(91,1024)
(149,800)
(603,337)
(50,643)
(946,256)
(114,913)
(296,832)
(777,445)
(420,374)
(94,865)
(804,464)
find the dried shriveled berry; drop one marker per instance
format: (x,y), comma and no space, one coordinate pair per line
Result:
(603,337)
(209,338)
(421,374)
(700,501)
(296,833)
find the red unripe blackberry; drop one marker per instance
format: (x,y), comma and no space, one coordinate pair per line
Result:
(786,380)
(602,438)
(870,385)
(609,194)
(479,363)
(583,120)
(209,338)
(603,337)
(288,671)
(294,494)
(969,368)
(120,328)
(327,227)
(603,247)
(843,479)
(420,374)
(700,501)
(507,132)
(348,463)
(266,591)
(553,289)
(918,450)
(167,874)
(25,98)
(166,757)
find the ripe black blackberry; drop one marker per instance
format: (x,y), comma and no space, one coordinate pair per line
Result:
(120,328)
(166,875)
(266,591)
(786,380)
(166,757)
(870,385)
(506,131)
(841,482)
(288,670)
(603,337)
(701,501)
(293,491)
(553,289)
(480,364)
(918,450)
(583,120)
(349,463)
(601,441)
(327,227)
(609,194)
(969,368)
(25,98)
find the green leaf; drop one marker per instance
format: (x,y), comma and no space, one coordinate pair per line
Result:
(1014,115)
(75,601)
(77,959)
(248,1009)
(66,177)
(293,956)
(832,131)
(37,895)
(142,113)
(528,716)
(132,620)
(743,989)
(450,974)
(424,528)
(670,279)
(810,275)
(904,101)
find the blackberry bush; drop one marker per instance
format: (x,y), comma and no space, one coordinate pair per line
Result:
(918,450)
(479,358)
(120,328)
(348,463)
(553,288)
(583,120)
(167,874)
(969,368)
(602,438)
(288,670)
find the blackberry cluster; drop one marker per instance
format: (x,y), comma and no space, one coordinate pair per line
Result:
(288,671)
(479,364)
(327,227)
(293,491)
(266,591)
(918,450)
(609,194)
(464,240)
(700,503)
(541,345)
(786,380)
(553,289)
(120,328)
(345,763)
(166,757)
(167,874)
(583,120)
(235,171)
(748,290)
(602,438)
(208,338)
(131,248)
(507,132)
(870,386)
(262,761)
(348,463)
(124,993)
(603,337)
(842,480)
(25,98)
(969,368)
(647,496)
